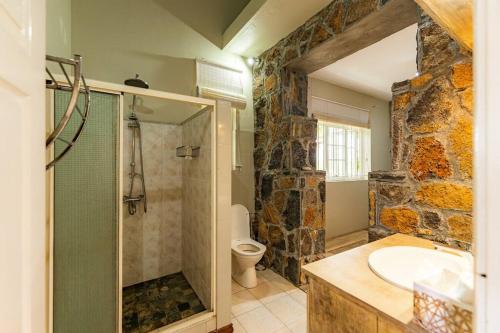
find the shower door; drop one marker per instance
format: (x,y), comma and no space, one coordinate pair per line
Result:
(85,287)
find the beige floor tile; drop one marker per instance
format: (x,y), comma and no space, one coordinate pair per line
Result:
(266,292)
(260,320)
(267,274)
(287,310)
(283,330)
(299,296)
(235,287)
(242,302)
(237,328)
(283,283)
(299,326)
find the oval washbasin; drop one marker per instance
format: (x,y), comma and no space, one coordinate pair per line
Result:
(402,265)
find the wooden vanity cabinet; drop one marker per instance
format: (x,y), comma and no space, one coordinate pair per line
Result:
(332,311)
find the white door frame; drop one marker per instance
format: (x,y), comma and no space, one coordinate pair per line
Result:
(23,244)
(487,165)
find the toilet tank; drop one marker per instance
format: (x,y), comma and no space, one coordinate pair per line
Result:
(240,222)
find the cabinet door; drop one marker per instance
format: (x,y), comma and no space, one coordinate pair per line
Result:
(330,312)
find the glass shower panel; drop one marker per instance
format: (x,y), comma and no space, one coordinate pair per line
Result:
(86,220)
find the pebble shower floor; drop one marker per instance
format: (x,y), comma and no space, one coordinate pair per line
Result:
(156,303)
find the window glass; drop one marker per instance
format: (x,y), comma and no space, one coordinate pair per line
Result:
(343,151)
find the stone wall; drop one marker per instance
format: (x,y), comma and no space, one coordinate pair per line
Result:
(290,193)
(429,191)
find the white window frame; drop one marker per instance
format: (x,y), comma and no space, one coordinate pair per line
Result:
(327,162)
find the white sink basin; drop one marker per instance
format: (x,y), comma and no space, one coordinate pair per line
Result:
(402,265)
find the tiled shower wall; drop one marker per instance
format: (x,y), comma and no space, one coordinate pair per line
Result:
(152,244)
(196,208)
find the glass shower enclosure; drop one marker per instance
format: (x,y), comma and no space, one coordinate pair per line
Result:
(118,271)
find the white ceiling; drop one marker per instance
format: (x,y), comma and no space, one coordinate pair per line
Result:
(263,23)
(374,69)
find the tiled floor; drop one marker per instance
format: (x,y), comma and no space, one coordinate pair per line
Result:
(274,306)
(157,303)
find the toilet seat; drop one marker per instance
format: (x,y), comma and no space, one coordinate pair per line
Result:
(238,246)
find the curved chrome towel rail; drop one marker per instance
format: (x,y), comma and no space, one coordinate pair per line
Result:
(77,86)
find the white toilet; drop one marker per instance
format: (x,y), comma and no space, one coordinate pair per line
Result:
(246,252)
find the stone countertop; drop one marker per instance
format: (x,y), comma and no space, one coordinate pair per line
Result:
(349,273)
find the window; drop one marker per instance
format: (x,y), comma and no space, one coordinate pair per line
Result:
(343,151)
(219,82)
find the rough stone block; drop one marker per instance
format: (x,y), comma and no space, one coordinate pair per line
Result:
(429,160)
(401,101)
(322,190)
(271,214)
(394,193)
(299,155)
(421,81)
(292,242)
(461,76)
(377,232)
(372,207)
(292,270)
(287,182)
(266,187)
(460,139)
(263,234)
(319,36)
(431,220)
(433,109)
(292,212)
(279,200)
(445,196)
(359,9)
(336,18)
(460,227)
(318,237)
(401,219)
(276,160)
(271,82)
(435,47)
(276,237)
(306,243)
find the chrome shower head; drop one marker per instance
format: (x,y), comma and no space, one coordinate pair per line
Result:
(136,82)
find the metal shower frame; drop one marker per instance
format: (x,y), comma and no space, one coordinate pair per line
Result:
(77,86)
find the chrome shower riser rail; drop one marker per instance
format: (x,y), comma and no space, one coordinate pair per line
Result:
(129,199)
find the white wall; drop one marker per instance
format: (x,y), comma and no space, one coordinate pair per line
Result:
(58,30)
(243,180)
(347,202)
(59,27)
